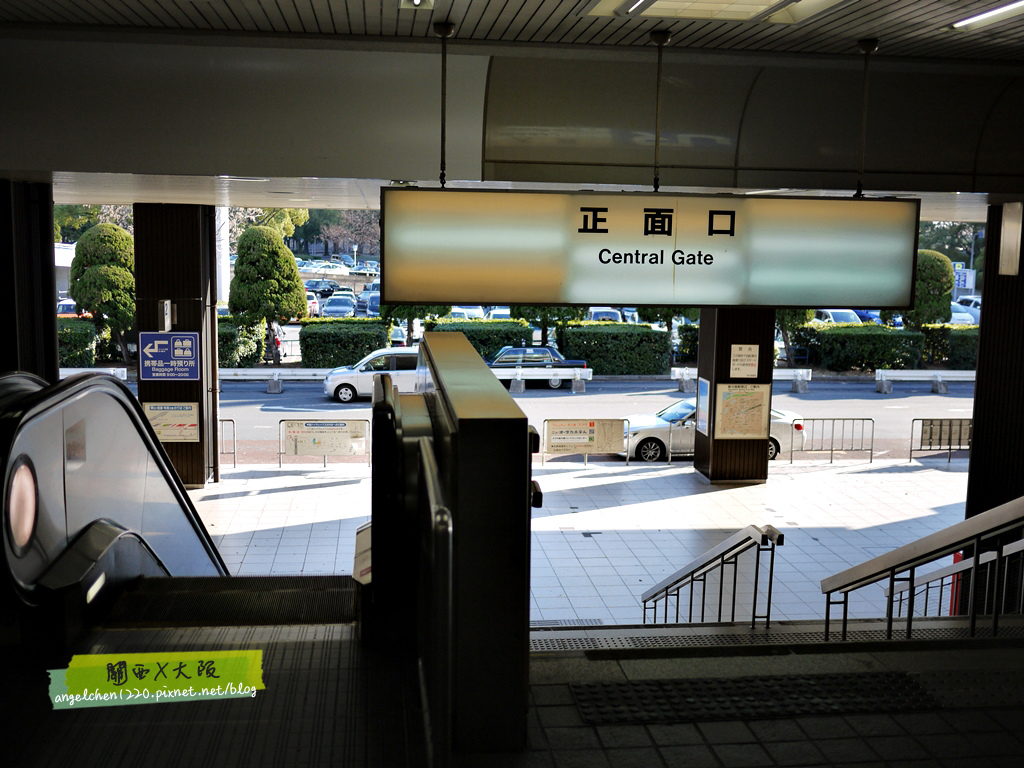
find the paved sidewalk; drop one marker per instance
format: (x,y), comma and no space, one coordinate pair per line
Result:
(608,531)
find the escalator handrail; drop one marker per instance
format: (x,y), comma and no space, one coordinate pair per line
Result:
(49,397)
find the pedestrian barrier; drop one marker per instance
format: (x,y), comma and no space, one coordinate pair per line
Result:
(687,378)
(941,435)
(584,436)
(885,376)
(836,434)
(234,445)
(323,437)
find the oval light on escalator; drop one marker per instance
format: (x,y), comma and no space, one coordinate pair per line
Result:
(22,504)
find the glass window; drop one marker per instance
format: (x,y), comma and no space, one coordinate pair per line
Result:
(405,362)
(382,363)
(513,357)
(536,357)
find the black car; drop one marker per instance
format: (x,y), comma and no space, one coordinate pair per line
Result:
(534,357)
(322,288)
(342,305)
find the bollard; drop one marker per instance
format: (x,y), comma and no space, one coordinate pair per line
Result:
(517,386)
(883,387)
(940,387)
(800,384)
(579,386)
(275,386)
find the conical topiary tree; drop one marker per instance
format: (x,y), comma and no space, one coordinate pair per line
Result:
(266,286)
(103,279)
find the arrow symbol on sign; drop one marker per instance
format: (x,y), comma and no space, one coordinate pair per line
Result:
(159,345)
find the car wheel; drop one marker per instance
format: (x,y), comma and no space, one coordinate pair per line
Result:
(346,393)
(650,450)
(555,383)
(773,448)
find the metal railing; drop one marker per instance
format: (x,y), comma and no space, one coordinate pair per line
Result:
(434,619)
(671,435)
(836,434)
(991,531)
(948,582)
(941,435)
(714,562)
(233,453)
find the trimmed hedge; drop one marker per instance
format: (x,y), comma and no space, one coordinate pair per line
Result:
(939,341)
(616,348)
(688,336)
(334,341)
(849,346)
(963,348)
(239,346)
(76,343)
(488,336)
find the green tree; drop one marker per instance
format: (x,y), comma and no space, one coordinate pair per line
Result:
(933,290)
(409,313)
(266,285)
(959,240)
(73,220)
(666,315)
(788,321)
(545,317)
(103,279)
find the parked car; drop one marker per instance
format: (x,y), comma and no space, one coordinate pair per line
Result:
(835,316)
(972,306)
(339,305)
(312,305)
(647,435)
(960,316)
(498,313)
(368,304)
(869,315)
(607,314)
(466,313)
(322,288)
(348,382)
(398,336)
(68,308)
(534,357)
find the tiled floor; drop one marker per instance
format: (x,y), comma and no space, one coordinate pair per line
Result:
(608,531)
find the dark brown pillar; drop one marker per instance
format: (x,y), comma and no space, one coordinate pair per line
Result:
(28,283)
(729,342)
(174,260)
(997,462)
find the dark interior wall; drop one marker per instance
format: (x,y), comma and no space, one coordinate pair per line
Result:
(28,283)
(997,461)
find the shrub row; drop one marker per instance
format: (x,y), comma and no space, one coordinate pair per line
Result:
(76,343)
(332,342)
(239,346)
(487,336)
(954,344)
(616,348)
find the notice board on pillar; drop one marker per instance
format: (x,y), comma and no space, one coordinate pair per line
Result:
(447,246)
(742,411)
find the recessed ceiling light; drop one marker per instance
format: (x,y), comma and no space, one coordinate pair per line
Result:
(415,5)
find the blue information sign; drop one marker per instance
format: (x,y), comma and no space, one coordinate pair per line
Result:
(168,356)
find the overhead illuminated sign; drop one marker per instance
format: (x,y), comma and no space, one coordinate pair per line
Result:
(494,247)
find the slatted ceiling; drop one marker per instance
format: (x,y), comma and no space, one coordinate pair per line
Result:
(914,28)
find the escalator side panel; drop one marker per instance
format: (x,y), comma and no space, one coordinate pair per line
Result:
(170,533)
(106,464)
(42,445)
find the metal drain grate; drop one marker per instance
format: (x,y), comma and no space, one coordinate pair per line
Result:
(239,601)
(661,701)
(540,644)
(545,623)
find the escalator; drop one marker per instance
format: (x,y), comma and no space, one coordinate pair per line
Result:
(105,553)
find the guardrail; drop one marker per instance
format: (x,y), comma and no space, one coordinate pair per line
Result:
(821,434)
(799,376)
(234,445)
(323,437)
(266,372)
(941,435)
(970,534)
(885,376)
(715,560)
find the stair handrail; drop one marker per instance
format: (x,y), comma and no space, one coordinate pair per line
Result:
(970,533)
(765,538)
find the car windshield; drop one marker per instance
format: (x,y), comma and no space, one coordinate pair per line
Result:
(678,410)
(339,301)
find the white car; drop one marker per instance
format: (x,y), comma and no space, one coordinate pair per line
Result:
(499,313)
(960,316)
(312,305)
(972,306)
(646,435)
(348,382)
(835,316)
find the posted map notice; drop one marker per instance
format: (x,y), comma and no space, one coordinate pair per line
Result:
(742,411)
(584,435)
